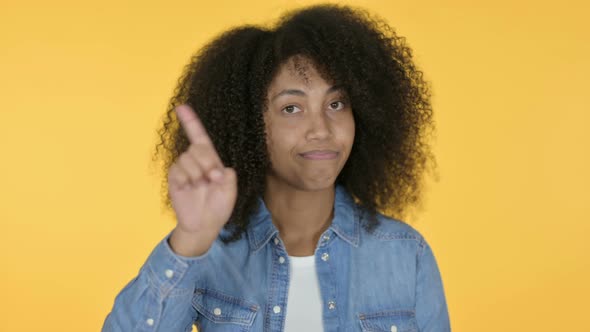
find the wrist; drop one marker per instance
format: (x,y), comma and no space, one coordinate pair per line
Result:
(190,244)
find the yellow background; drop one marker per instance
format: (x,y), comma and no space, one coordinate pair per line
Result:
(83,86)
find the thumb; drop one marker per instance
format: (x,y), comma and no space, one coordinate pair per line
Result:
(229,176)
(226,177)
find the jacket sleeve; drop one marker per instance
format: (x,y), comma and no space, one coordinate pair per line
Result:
(431,307)
(159,298)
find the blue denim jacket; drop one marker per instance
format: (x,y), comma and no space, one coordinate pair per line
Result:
(387,280)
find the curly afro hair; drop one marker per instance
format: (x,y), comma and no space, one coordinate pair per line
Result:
(226,84)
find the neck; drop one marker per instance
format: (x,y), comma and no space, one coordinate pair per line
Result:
(300,216)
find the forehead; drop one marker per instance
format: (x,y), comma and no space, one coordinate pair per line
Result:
(297,70)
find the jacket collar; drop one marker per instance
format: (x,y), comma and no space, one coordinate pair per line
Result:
(345,223)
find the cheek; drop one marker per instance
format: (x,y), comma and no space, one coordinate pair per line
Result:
(277,143)
(281,143)
(281,138)
(268,127)
(351,129)
(347,132)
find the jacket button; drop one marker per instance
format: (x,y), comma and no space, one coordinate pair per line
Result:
(393,328)
(331,305)
(325,256)
(276,309)
(326,237)
(281,259)
(217,311)
(150,322)
(276,241)
(169,273)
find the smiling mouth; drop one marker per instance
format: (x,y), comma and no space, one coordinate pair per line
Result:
(319,155)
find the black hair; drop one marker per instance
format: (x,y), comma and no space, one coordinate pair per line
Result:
(226,84)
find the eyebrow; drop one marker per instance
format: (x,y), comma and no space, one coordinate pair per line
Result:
(296,92)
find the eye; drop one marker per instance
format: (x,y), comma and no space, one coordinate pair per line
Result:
(289,109)
(336,103)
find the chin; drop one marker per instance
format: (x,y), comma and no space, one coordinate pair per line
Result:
(319,185)
(307,182)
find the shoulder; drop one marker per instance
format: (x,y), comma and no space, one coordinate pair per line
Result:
(390,229)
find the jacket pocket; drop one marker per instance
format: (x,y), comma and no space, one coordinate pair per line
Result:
(388,321)
(223,312)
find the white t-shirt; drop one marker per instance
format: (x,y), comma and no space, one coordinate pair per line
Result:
(304,302)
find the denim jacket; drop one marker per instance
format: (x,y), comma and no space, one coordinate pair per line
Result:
(387,280)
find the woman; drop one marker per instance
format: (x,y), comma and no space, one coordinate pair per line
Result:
(282,145)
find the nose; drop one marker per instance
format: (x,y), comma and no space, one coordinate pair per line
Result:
(319,126)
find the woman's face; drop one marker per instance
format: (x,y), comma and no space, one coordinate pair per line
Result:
(309,126)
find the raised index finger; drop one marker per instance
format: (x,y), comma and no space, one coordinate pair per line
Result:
(192,125)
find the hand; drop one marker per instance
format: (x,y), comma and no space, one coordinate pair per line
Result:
(203,191)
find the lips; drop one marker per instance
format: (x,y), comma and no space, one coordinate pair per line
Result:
(320,154)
